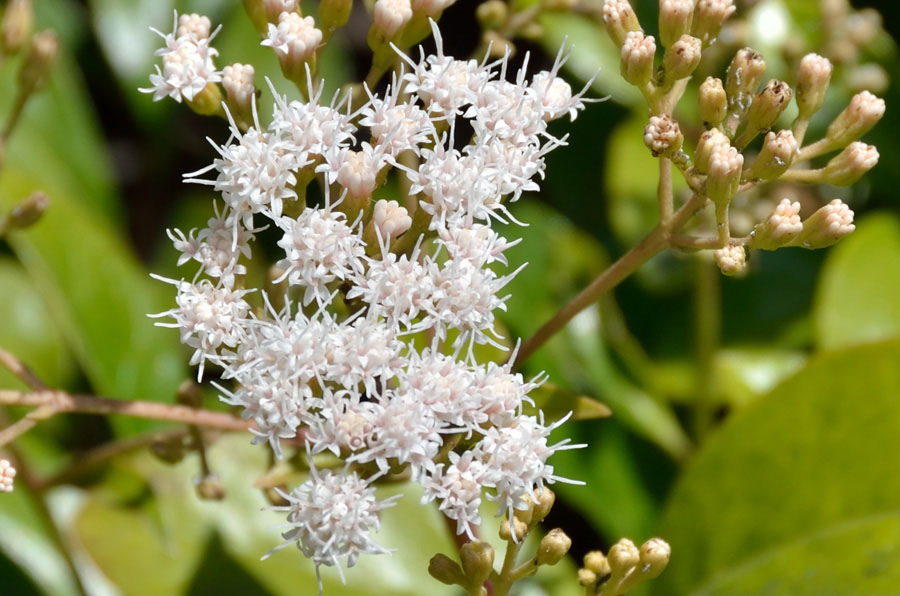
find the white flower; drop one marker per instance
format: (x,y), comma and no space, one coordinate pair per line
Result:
(332,516)
(319,248)
(344,422)
(295,37)
(444,384)
(396,125)
(365,353)
(216,248)
(187,61)
(458,486)
(7,475)
(311,129)
(208,317)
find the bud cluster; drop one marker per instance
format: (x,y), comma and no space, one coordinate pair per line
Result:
(623,567)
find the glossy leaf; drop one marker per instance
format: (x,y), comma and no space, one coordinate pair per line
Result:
(556,402)
(806,459)
(858,298)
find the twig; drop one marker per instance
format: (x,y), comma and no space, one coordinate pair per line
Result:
(20,370)
(652,243)
(26,423)
(90,404)
(664,189)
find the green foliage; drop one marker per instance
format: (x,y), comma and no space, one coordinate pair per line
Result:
(794,468)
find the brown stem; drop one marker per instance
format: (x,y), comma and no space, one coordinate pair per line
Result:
(90,404)
(664,189)
(652,243)
(20,370)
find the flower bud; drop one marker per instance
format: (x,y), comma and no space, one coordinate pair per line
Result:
(477,561)
(767,106)
(743,77)
(674,20)
(543,503)
(637,58)
(520,528)
(170,451)
(813,77)
(777,153)
(732,261)
(623,556)
(779,229)
(724,176)
(430,8)
(597,562)
(390,16)
(16,26)
(38,62)
(663,136)
(446,570)
(210,488)
(706,145)
(682,58)
(390,219)
(334,14)
(709,15)
(619,20)
(295,41)
(208,102)
(193,24)
(851,164)
(256,10)
(655,555)
(29,211)
(274,8)
(189,394)
(826,226)
(712,101)
(553,547)
(7,475)
(586,577)
(237,79)
(858,118)
(492,14)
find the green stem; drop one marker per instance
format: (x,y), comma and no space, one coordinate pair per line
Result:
(708,324)
(504,582)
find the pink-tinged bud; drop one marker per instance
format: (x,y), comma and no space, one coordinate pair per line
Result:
(7,475)
(744,75)
(826,226)
(674,20)
(195,25)
(724,176)
(709,16)
(619,19)
(851,164)
(767,106)
(708,142)
(390,219)
(858,118)
(430,8)
(637,58)
(663,136)
(777,153)
(390,16)
(813,78)
(779,229)
(295,41)
(732,261)
(238,81)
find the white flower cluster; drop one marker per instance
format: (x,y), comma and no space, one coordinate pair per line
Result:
(367,282)
(187,59)
(7,475)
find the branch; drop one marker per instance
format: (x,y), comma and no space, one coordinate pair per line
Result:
(89,404)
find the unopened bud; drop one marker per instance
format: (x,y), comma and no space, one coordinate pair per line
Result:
(477,561)
(767,106)
(586,577)
(724,175)
(295,41)
(189,394)
(623,556)
(851,164)
(712,101)
(597,562)
(663,136)
(170,451)
(208,102)
(732,261)
(619,19)
(655,555)
(390,219)
(492,14)
(210,488)
(240,89)
(29,211)
(858,118)
(682,58)
(637,58)
(744,75)
(390,16)
(7,476)
(779,229)
(813,77)
(869,76)
(430,8)
(274,8)
(16,26)
(709,16)
(826,226)
(777,153)
(515,531)
(543,503)
(334,14)
(709,141)
(553,547)
(195,25)
(38,62)
(446,570)
(674,20)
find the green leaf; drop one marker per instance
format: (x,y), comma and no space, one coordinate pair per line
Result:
(857,558)
(805,459)
(858,298)
(29,332)
(556,402)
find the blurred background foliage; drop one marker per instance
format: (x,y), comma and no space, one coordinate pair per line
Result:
(755,421)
